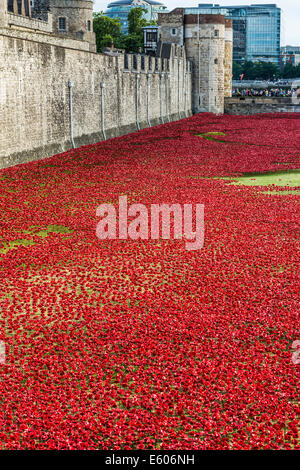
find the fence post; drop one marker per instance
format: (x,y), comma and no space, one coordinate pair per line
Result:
(161,97)
(137,102)
(167,92)
(178,97)
(102,86)
(148,99)
(70,85)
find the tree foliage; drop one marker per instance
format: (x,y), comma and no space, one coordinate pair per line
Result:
(264,71)
(255,71)
(290,71)
(109,30)
(136,21)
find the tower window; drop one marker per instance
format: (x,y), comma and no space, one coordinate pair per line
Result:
(62,26)
(216,33)
(216,61)
(173,31)
(89,25)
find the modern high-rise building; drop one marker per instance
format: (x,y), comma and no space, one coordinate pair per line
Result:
(256,30)
(121,8)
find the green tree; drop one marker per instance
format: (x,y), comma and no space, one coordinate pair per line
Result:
(135,39)
(266,70)
(256,70)
(237,70)
(132,43)
(291,71)
(107,40)
(107,30)
(136,21)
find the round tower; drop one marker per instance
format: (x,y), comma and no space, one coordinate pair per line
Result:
(74,18)
(205,46)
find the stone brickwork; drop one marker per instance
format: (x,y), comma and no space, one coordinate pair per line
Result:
(35,96)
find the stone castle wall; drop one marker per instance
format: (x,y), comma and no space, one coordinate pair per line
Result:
(35,70)
(260,105)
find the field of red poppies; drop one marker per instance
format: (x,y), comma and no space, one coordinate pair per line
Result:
(142,344)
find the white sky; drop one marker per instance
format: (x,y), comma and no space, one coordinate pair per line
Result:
(291,13)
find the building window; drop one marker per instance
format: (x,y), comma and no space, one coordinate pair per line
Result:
(216,61)
(216,33)
(151,37)
(89,25)
(173,31)
(62,26)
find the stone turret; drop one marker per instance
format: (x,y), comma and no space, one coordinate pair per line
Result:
(74,18)
(205,46)
(208,44)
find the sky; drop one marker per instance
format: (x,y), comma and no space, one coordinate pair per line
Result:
(291,13)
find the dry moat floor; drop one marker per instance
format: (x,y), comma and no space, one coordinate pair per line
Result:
(122,344)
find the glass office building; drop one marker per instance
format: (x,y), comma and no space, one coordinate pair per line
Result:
(121,8)
(256,30)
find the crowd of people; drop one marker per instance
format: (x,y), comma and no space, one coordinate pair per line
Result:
(273,92)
